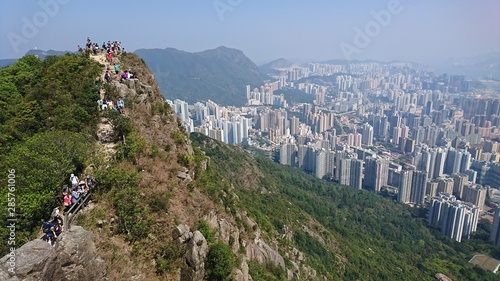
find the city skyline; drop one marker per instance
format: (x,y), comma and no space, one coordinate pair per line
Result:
(381,30)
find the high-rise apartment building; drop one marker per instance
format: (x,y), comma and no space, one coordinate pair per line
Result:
(456,219)
(445,185)
(475,194)
(376,173)
(288,154)
(367,135)
(351,172)
(459,181)
(495,230)
(404,188)
(418,187)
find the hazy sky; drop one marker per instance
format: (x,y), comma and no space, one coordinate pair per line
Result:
(422,31)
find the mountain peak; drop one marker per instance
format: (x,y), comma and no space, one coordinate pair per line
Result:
(218,74)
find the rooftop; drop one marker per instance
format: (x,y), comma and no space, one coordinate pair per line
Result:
(485,262)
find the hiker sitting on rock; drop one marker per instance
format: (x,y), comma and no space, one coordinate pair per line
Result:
(121,106)
(124,75)
(49,230)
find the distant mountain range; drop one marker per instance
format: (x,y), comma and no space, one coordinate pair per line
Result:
(476,67)
(41,54)
(219,74)
(275,67)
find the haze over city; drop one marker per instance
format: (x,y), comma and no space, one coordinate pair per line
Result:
(420,31)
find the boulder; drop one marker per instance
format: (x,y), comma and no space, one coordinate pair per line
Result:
(197,251)
(73,258)
(196,254)
(181,234)
(77,255)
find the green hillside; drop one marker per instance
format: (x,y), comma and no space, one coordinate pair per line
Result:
(219,75)
(48,118)
(375,238)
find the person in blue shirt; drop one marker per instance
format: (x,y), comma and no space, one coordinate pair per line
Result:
(121,106)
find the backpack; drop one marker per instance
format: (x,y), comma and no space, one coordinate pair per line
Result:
(46,226)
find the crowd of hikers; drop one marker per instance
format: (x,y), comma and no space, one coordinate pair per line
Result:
(126,74)
(109,104)
(72,197)
(111,47)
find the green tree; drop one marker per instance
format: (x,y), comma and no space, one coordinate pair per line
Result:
(42,163)
(220,262)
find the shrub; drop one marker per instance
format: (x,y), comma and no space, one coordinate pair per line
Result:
(122,125)
(166,255)
(178,137)
(116,176)
(131,213)
(132,148)
(220,262)
(160,201)
(185,159)
(206,231)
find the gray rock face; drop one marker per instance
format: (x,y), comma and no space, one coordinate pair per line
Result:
(181,234)
(77,255)
(135,91)
(242,274)
(73,258)
(224,229)
(196,253)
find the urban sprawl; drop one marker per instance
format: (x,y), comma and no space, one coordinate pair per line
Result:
(431,141)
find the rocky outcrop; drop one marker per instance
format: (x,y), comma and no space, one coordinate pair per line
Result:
(135,92)
(73,258)
(256,249)
(184,175)
(196,253)
(259,251)
(181,234)
(242,274)
(195,258)
(226,231)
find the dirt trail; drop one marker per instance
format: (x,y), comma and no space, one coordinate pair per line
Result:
(105,130)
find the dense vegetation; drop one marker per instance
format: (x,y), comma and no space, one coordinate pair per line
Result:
(48,117)
(382,240)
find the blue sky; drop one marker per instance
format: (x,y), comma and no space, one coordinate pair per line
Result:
(423,31)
